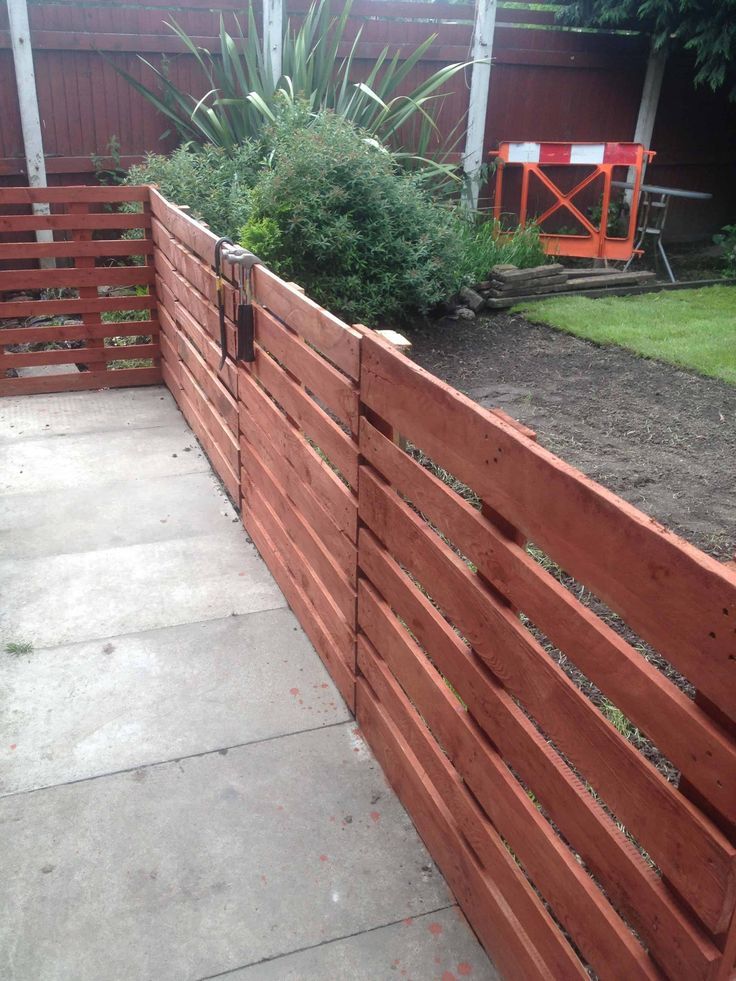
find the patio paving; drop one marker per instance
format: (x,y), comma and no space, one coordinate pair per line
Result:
(183,793)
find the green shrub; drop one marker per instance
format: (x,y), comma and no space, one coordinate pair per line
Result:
(215,184)
(484,245)
(333,213)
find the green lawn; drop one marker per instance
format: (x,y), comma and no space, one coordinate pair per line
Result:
(690,328)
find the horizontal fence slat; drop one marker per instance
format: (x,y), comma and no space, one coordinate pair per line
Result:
(675,597)
(218,430)
(316,424)
(688,848)
(42,279)
(341,637)
(583,909)
(631,885)
(80,381)
(299,489)
(69,193)
(316,553)
(310,467)
(317,326)
(93,222)
(77,332)
(98,248)
(213,388)
(487,909)
(680,729)
(18,309)
(337,392)
(183,382)
(190,232)
(79,355)
(494,855)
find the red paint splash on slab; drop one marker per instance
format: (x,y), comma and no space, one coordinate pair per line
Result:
(323,858)
(375,816)
(435,928)
(13,745)
(448,976)
(294,692)
(408,921)
(464,968)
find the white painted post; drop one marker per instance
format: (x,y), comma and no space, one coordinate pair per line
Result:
(273,26)
(480,83)
(648,106)
(25,80)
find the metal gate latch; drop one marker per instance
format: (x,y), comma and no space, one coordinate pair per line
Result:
(227,251)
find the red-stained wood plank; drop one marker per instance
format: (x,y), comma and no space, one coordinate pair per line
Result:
(229,478)
(486,842)
(212,387)
(316,553)
(17,309)
(686,846)
(281,556)
(340,450)
(94,222)
(98,248)
(213,423)
(80,381)
(338,342)
(337,392)
(632,886)
(580,905)
(41,279)
(68,193)
(681,730)
(674,596)
(77,332)
(80,355)
(485,906)
(334,496)
(191,233)
(301,492)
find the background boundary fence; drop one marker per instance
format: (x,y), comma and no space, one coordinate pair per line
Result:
(546,84)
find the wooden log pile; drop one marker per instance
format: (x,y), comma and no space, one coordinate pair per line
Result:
(508,284)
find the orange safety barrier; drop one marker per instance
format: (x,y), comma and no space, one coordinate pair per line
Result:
(594,242)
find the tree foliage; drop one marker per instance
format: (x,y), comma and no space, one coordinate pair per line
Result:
(707,28)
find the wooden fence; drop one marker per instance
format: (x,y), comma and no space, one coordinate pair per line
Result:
(546,84)
(88,252)
(395,515)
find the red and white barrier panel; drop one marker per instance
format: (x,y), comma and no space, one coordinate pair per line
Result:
(621,154)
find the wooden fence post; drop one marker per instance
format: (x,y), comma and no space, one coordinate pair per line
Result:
(273,26)
(483,31)
(25,81)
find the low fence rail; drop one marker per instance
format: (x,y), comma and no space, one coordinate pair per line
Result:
(421,541)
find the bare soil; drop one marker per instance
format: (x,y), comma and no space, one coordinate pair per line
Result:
(662,438)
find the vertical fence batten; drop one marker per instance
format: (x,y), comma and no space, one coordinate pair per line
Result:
(429,610)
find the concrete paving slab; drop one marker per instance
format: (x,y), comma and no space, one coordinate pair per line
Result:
(62,462)
(65,599)
(94,708)
(188,869)
(126,512)
(438,946)
(29,416)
